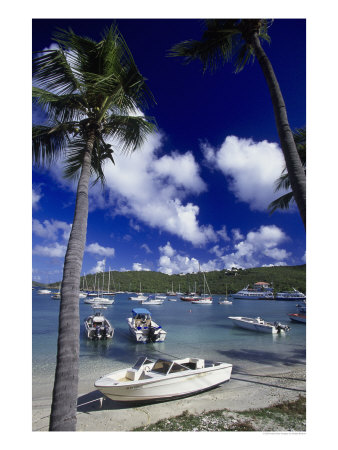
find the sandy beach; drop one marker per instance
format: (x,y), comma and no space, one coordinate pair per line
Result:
(252,388)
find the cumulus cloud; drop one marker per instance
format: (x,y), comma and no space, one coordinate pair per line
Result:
(97,249)
(49,229)
(152,189)
(100,266)
(52,251)
(138,267)
(253,250)
(36,196)
(251,168)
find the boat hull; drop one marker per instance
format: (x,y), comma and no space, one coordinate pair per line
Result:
(244,322)
(172,386)
(298,317)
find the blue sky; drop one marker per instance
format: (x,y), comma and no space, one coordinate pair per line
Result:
(197,191)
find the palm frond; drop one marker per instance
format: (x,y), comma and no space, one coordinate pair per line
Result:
(130,131)
(53,72)
(61,108)
(282,202)
(49,142)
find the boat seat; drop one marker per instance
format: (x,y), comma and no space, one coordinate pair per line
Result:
(132,374)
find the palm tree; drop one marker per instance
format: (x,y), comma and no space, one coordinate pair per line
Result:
(283,182)
(225,38)
(92,92)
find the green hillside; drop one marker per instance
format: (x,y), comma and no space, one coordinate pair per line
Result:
(283,278)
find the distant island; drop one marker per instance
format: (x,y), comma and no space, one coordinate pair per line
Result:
(282,278)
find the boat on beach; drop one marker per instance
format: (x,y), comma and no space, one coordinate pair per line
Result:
(143,328)
(97,327)
(163,379)
(258,324)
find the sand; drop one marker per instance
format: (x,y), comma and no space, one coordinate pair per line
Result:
(252,388)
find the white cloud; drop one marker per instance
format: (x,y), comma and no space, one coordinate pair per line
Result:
(52,251)
(146,248)
(100,266)
(138,267)
(97,249)
(49,229)
(223,233)
(251,168)
(152,190)
(36,196)
(237,235)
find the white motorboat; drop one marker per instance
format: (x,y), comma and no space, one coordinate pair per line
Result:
(98,327)
(258,324)
(164,379)
(44,291)
(99,301)
(172,299)
(290,295)
(83,295)
(153,300)
(143,328)
(296,317)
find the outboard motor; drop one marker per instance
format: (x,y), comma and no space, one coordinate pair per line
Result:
(281,327)
(105,332)
(97,334)
(151,334)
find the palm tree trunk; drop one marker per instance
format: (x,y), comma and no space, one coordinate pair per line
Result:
(293,163)
(64,404)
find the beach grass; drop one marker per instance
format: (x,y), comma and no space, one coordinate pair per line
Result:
(285,416)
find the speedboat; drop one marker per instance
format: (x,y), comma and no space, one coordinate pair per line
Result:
(44,291)
(143,328)
(163,379)
(83,294)
(296,317)
(99,301)
(258,324)
(290,295)
(98,327)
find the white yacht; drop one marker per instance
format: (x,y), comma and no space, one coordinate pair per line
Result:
(44,291)
(163,379)
(290,295)
(254,294)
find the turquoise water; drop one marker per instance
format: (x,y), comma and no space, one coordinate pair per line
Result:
(192,330)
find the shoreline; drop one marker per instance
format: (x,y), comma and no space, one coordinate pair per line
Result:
(252,388)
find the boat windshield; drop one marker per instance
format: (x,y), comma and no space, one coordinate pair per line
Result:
(142,360)
(162,366)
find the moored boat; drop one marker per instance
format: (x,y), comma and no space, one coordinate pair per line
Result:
(261,291)
(297,317)
(97,327)
(44,291)
(143,328)
(98,301)
(203,301)
(153,300)
(290,295)
(163,379)
(258,324)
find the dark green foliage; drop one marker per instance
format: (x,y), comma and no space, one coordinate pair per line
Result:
(283,278)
